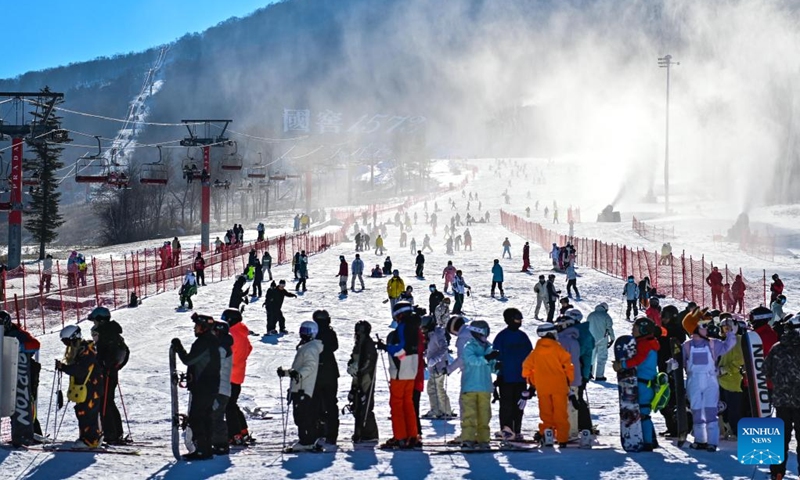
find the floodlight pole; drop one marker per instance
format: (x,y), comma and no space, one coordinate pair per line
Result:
(666,62)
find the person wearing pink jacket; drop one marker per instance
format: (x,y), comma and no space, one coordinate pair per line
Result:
(448,274)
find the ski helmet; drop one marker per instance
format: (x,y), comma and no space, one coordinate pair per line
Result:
(512,317)
(206,322)
(322,318)
(669,312)
(604,306)
(70,333)
(308,330)
(100,315)
(401,309)
(782,299)
(5,318)
(574,314)
(232,316)
(546,329)
(654,302)
(455,323)
(760,316)
(645,326)
(221,328)
(479,329)
(363,327)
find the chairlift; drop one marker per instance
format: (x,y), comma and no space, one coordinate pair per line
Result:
(92,168)
(224,184)
(154,173)
(116,175)
(30,178)
(190,167)
(5,196)
(232,161)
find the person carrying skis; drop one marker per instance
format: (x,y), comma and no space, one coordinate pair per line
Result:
(759,319)
(302,271)
(700,356)
(343,272)
(85,385)
(549,370)
(273,304)
(402,346)
(394,287)
(112,355)
(497,278)
(714,280)
(328,378)
(188,289)
(572,282)
(514,347)
(526,257)
(780,368)
(434,299)
(460,287)
(203,364)
(219,428)
(420,264)
(238,433)
(266,265)
(540,289)
(552,297)
(304,374)
(23,433)
(361,367)
(199,269)
(448,274)
(631,293)
(601,326)
(480,362)
(646,363)
(436,355)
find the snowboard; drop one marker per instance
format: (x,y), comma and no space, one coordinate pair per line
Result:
(258,413)
(676,373)
(627,384)
(175,377)
(753,350)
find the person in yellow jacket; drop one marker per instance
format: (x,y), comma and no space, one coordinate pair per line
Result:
(395,287)
(549,371)
(730,382)
(379,245)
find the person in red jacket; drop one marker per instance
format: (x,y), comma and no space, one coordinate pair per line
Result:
(526,257)
(653,312)
(759,319)
(737,289)
(199,269)
(775,288)
(344,270)
(237,425)
(714,280)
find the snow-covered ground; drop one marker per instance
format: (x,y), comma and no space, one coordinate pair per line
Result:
(149,328)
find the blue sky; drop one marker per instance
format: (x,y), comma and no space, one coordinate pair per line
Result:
(46,33)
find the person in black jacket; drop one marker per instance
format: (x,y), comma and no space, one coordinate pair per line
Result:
(552,297)
(238,296)
(361,367)
(203,364)
(387,266)
(420,262)
(258,277)
(327,377)
(674,327)
(434,299)
(112,355)
(273,303)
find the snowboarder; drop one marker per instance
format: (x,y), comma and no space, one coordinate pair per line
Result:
(219,428)
(601,327)
(407,295)
(460,287)
(555,256)
(258,277)
(203,383)
(540,289)
(343,272)
(112,355)
(394,287)
(361,367)
(199,269)
(238,433)
(420,264)
(436,355)
(238,296)
(273,304)
(514,347)
(328,378)
(302,271)
(467,240)
(631,293)
(188,289)
(506,248)
(303,374)
(426,243)
(448,274)
(357,271)
(546,369)
(379,245)
(480,362)
(497,278)
(413,245)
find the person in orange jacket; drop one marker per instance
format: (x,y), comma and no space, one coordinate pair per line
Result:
(238,433)
(549,371)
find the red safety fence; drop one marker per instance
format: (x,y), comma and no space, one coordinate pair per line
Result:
(653,233)
(683,278)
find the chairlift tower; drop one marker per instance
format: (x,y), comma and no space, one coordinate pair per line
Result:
(36,130)
(666,62)
(207,140)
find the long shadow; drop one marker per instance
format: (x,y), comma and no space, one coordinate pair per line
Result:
(483,465)
(410,465)
(362,459)
(203,469)
(303,465)
(62,465)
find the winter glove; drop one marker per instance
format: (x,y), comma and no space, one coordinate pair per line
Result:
(281,372)
(351,397)
(523,399)
(294,375)
(616,365)
(352,369)
(574,400)
(492,355)
(59,365)
(380,345)
(177,345)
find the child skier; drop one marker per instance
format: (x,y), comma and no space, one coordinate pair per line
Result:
(700,355)
(188,289)
(480,361)
(361,367)
(303,376)
(436,355)
(514,347)
(631,293)
(548,369)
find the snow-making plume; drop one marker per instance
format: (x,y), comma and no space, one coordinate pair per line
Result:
(574,80)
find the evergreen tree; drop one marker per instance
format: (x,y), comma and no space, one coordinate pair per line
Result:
(44,218)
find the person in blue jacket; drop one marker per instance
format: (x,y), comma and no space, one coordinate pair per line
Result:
(480,361)
(514,347)
(497,278)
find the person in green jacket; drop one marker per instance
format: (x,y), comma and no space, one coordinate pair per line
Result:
(730,383)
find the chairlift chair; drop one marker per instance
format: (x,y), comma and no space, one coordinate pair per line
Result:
(92,168)
(5,197)
(232,161)
(154,173)
(30,178)
(257,172)
(190,166)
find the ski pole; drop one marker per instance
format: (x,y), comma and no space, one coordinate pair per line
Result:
(383,362)
(50,407)
(283,416)
(124,411)
(58,427)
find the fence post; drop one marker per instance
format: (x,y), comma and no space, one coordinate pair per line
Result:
(764,276)
(16,307)
(94,277)
(703,278)
(655,258)
(41,295)
(691,274)
(114,281)
(60,292)
(672,270)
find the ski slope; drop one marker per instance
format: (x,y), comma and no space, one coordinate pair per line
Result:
(145,383)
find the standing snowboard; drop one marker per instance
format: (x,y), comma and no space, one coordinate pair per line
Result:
(676,366)
(753,350)
(630,428)
(175,378)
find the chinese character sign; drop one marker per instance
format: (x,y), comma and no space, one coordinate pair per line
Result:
(329,121)
(296,120)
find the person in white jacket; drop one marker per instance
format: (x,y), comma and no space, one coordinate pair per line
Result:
(541,296)
(357,269)
(601,326)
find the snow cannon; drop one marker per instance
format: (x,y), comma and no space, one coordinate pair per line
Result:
(609,215)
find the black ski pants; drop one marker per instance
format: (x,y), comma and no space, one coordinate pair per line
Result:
(325,391)
(551,310)
(366,428)
(305,412)
(791,422)
(112,421)
(237,424)
(631,305)
(200,409)
(201,277)
(510,414)
(219,429)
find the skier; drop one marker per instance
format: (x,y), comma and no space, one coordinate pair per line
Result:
(394,287)
(714,280)
(631,293)
(645,361)
(387,266)
(434,299)
(188,288)
(343,271)
(426,243)
(480,361)
(514,347)
(546,369)
(448,274)
(402,346)
(552,297)
(238,433)
(273,302)
(700,356)
(219,428)
(303,374)
(526,257)
(23,433)
(203,383)
(601,327)
(302,271)
(460,287)
(361,367)
(540,289)
(112,355)
(379,245)
(357,271)
(436,355)
(506,248)
(413,245)
(780,367)
(568,338)
(497,278)
(420,263)
(328,378)
(737,290)
(199,269)
(258,277)
(644,294)
(572,281)
(467,240)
